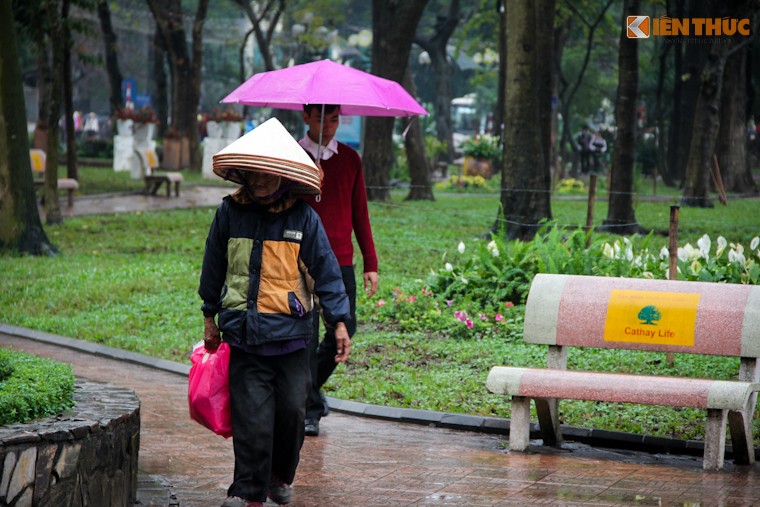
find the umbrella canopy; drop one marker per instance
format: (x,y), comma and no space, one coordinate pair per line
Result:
(326,82)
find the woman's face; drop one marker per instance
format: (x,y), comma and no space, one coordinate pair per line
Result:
(262,184)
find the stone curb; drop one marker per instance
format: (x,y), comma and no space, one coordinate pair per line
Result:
(590,436)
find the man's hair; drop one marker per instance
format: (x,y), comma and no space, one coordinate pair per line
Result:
(329,108)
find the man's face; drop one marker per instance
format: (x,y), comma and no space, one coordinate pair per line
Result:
(329,125)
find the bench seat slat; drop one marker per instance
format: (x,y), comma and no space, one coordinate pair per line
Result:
(620,388)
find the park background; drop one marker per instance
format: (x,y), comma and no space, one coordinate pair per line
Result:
(450,304)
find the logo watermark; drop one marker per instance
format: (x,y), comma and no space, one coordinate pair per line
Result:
(700,30)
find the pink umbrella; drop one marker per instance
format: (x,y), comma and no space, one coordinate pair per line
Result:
(326,82)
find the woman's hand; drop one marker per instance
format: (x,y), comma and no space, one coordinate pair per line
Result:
(343,342)
(211,337)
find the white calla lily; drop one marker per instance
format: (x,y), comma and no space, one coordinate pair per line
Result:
(461,247)
(722,243)
(704,246)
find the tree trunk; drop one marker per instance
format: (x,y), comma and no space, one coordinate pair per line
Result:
(436,48)
(686,93)
(570,89)
(185,68)
(112,57)
(621,218)
(393,27)
(68,101)
(43,94)
(264,23)
(731,147)
(55,28)
(661,160)
(160,100)
(525,195)
(501,93)
(421,185)
(705,130)
(20,226)
(546,80)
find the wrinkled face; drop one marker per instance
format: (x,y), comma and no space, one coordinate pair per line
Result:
(262,184)
(329,125)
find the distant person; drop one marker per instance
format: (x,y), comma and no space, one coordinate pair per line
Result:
(582,144)
(78,123)
(342,206)
(91,126)
(598,147)
(266,254)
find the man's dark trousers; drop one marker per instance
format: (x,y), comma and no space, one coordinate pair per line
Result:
(322,354)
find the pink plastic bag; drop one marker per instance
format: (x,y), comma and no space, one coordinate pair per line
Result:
(208,389)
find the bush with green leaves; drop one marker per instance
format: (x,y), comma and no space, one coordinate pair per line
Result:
(33,387)
(501,270)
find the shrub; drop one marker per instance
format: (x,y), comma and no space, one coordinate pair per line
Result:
(500,270)
(483,146)
(32,387)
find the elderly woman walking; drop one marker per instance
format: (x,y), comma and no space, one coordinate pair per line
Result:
(266,255)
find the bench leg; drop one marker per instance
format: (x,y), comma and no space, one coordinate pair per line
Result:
(740,427)
(715,439)
(519,424)
(548,420)
(71,197)
(176,188)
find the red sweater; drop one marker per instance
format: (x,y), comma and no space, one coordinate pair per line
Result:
(343,208)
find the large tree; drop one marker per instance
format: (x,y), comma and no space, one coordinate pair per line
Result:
(20,226)
(421,184)
(731,148)
(621,217)
(54,17)
(591,18)
(111,56)
(394,24)
(436,44)
(526,180)
(185,67)
(706,124)
(264,17)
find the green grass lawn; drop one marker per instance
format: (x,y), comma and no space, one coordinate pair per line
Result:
(130,280)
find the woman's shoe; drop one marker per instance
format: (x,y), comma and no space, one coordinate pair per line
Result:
(236,501)
(280,493)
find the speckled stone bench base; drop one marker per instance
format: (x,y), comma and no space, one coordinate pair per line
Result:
(86,456)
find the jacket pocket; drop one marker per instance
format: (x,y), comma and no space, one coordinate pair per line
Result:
(296,307)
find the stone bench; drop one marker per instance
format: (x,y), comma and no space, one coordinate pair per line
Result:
(564,311)
(154,179)
(38,159)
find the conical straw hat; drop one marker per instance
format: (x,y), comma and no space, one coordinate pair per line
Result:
(268,148)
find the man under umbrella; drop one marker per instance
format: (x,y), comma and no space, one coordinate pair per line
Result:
(342,206)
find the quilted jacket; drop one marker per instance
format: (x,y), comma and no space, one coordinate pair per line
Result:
(261,269)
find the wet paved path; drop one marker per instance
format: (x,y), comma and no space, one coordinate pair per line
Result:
(358,462)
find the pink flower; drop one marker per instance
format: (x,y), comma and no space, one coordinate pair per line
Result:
(469,323)
(499,317)
(483,317)
(509,304)
(449,302)
(380,303)
(462,316)
(411,299)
